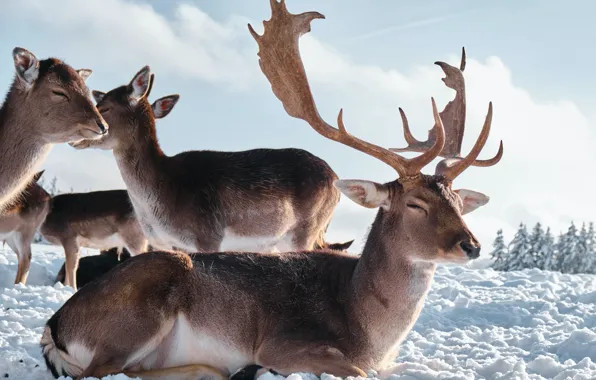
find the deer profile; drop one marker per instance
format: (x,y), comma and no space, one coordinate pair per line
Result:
(20,220)
(48,103)
(256,200)
(321,311)
(98,219)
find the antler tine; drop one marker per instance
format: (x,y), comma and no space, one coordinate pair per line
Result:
(453,115)
(452,167)
(280,61)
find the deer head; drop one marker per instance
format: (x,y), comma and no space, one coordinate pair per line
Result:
(127,110)
(55,95)
(420,213)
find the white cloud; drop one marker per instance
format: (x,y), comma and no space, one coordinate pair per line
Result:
(127,35)
(545,174)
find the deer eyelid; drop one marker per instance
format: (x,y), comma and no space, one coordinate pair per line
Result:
(60,93)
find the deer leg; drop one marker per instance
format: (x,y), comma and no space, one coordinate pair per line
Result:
(290,357)
(185,372)
(23,243)
(12,244)
(71,251)
(304,235)
(135,244)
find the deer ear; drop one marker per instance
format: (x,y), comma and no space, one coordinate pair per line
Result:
(162,106)
(37,176)
(471,200)
(139,86)
(26,64)
(98,95)
(84,73)
(365,193)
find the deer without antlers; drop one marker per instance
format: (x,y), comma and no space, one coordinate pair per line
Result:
(48,103)
(98,219)
(256,200)
(20,220)
(314,312)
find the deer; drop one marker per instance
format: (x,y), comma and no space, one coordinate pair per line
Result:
(48,103)
(260,200)
(93,267)
(20,220)
(97,219)
(213,314)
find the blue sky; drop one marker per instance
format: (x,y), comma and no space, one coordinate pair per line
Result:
(532,59)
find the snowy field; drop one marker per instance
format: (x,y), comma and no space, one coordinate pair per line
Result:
(477,324)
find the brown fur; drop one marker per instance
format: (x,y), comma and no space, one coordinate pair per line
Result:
(33,117)
(196,198)
(320,311)
(20,221)
(99,219)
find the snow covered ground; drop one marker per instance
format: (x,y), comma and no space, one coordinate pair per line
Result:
(477,324)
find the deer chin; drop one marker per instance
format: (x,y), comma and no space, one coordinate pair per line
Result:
(80,144)
(454,256)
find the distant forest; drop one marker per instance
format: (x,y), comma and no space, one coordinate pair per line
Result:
(570,252)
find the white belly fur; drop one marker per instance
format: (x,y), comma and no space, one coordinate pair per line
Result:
(233,242)
(101,243)
(185,345)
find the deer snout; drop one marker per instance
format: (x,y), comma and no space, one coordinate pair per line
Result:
(470,248)
(103,127)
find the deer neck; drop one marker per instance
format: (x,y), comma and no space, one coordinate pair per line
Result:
(22,149)
(142,167)
(389,290)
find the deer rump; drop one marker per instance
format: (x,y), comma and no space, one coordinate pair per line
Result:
(211,309)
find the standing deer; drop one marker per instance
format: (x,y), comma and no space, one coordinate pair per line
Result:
(99,219)
(316,312)
(256,200)
(20,220)
(48,103)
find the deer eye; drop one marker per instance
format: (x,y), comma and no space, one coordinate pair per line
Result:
(416,207)
(60,94)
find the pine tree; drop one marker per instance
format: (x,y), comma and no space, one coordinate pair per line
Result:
(532,259)
(568,251)
(519,248)
(547,250)
(499,252)
(587,262)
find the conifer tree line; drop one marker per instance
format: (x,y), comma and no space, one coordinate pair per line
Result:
(570,252)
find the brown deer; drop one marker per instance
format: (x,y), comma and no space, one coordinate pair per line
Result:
(204,201)
(98,219)
(93,267)
(316,312)
(20,220)
(48,103)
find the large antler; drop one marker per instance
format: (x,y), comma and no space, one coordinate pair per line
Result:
(454,119)
(281,63)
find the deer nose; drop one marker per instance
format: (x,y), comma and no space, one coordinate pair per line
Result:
(103,128)
(471,250)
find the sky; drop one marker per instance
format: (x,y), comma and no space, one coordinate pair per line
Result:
(532,59)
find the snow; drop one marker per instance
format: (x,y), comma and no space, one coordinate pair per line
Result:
(476,324)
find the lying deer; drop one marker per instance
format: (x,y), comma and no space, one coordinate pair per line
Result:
(260,199)
(316,312)
(99,219)
(48,103)
(93,267)
(20,220)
